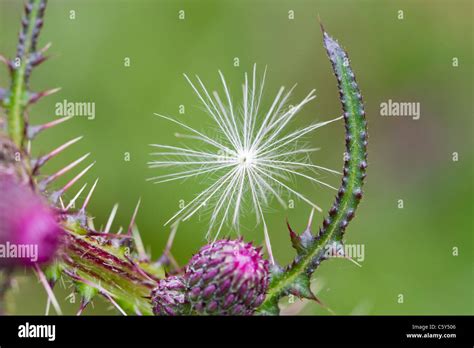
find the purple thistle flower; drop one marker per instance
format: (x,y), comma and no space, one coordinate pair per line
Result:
(29,232)
(169,296)
(227,277)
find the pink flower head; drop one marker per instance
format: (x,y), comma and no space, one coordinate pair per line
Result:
(29,232)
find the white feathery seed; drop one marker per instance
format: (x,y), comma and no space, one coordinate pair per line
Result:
(252,158)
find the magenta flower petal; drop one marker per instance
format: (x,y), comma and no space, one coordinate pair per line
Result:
(29,232)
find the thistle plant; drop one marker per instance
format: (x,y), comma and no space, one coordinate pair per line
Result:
(253,157)
(227,277)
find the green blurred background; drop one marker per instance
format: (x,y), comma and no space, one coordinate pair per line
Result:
(408,251)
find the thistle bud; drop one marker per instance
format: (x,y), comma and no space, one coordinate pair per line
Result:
(29,232)
(227,277)
(169,296)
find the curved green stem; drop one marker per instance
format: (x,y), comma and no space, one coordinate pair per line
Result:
(295,279)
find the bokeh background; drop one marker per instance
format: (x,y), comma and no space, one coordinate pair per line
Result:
(408,251)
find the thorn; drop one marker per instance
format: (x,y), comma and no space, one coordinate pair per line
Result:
(169,243)
(321,24)
(84,304)
(34,97)
(59,193)
(111,218)
(318,301)
(89,220)
(37,59)
(34,130)
(116,305)
(86,202)
(292,233)
(48,305)
(42,160)
(352,260)
(137,311)
(45,182)
(139,270)
(268,244)
(45,48)
(4,60)
(296,240)
(62,203)
(142,256)
(132,222)
(48,289)
(111,235)
(72,201)
(174,263)
(7,62)
(310,220)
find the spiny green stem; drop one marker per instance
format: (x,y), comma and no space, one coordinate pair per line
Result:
(295,279)
(20,69)
(98,266)
(97,263)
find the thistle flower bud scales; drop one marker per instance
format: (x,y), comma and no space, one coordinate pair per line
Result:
(227,277)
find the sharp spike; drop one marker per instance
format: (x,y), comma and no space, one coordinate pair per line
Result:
(34,97)
(45,182)
(4,60)
(62,203)
(132,221)
(37,58)
(72,201)
(111,218)
(84,304)
(34,130)
(138,269)
(46,47)
(48,289)
(116,305)
(353,261)
(292,233)
(59,193)
(169,243)
(310,220)
(89,221)
(111,235)
(48,305)
(42,160)
(86,202)
(142,256)
(7,62)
